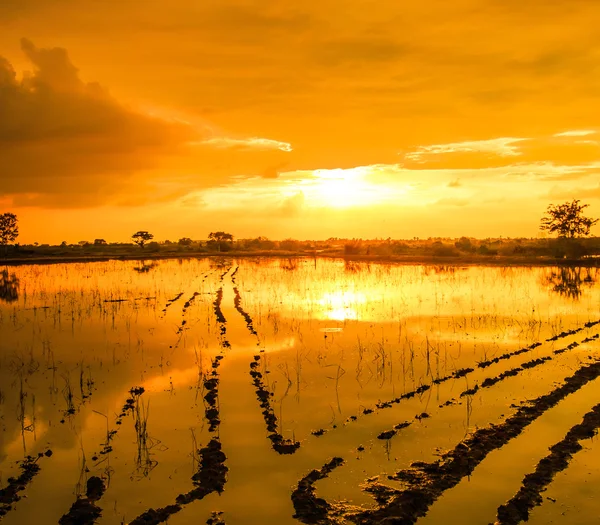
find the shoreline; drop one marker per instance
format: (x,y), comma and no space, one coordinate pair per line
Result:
(467,260)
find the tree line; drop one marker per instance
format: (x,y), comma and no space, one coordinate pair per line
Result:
(567,221)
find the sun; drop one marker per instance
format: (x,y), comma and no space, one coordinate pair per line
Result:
(343,188)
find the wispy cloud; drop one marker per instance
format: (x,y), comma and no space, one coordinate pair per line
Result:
(503,147)
(576,133)
(247,143)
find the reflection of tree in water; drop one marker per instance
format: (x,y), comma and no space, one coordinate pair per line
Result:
(569,281)
(145,267)
(290,265)
(9,287)
(218,263)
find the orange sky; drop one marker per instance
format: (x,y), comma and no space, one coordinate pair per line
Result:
(319,119)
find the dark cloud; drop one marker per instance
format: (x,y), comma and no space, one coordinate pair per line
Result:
(272,172)
(64,142)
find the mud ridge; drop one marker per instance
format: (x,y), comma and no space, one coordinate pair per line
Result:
(464,372)
(211,477)
(171,301)
(566,333)
(278,442)
(216,518)
(130,403)
(237,301)
(491,381)
(308,507)
(9,495)
(426,482)
(529,496)
(85,511)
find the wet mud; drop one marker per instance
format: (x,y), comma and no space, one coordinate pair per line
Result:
(85,511)
(517,509)
(426,482)
(211,477)
(9,495)
(308,507)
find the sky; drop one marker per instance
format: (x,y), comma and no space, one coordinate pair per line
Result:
(287,119)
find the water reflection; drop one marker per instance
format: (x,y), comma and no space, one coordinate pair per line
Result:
(9,287)
(334,338)
(145,266)
(570,281)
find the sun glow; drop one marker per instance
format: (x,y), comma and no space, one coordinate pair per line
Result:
(344,188)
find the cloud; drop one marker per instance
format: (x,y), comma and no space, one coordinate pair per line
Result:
(576,133)
(503,147)
(64,142)
(247,143)
(272,172)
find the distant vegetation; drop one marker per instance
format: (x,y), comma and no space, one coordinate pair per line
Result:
(433,247)
(566,220)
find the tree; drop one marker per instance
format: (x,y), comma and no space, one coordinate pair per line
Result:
(567,220)
(221,239)
(9,228)
(184,241)
(220,236)
(99,242)
(141,238)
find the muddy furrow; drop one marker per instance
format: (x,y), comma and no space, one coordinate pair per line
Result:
(212,471)
(128,408)
(529,496)
(9,495)
(216,518)
(85,511)
(567,333)
(280,444)
(487,383)
(171,301)
(426,482)
(491,381)
(211,477)
(464,372)
(307,506)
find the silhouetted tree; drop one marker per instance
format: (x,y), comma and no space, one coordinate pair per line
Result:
(9,287)
(220,236)
(567,220)
(141,238)
(220,239)
(184,241)
(99,242)
(9,229)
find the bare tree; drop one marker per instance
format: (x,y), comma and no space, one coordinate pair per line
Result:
(141,238)
(567,220)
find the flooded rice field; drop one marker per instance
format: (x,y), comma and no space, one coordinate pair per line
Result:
(281,391)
